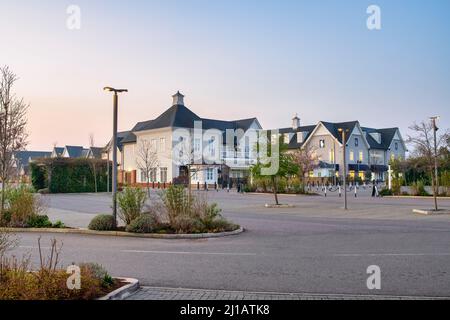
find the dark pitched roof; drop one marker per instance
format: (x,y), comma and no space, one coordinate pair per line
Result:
(176,116)
(293,143)
(387,135)
(76,151)
(95,152)
(180,116)
(129,138)
(334,128)
(59,150)
(24,156)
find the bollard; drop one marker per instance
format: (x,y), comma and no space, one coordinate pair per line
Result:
(340,193)
(228,187)
(325,192)
(356,190)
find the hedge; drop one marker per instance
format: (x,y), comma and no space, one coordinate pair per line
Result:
(62,175)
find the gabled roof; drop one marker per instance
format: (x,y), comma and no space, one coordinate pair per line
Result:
(334,128)
(95,152)
(179,116)
(293,143)
(58,150)
(176,116)
(23,157)
(387,135)
(76,151)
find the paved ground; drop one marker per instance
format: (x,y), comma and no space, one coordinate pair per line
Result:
(150,293)
(315,248)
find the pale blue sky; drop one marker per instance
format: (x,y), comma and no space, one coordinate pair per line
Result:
(232,59)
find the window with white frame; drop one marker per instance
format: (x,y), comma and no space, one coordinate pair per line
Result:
(154,145)
(356,142)
(163,174)
(352,155)
(197,145)
(153,175)
(143,176)
(162,144)
(211,147)
(361,156)
(210,174)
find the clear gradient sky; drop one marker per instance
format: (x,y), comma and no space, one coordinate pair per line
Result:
(232,59)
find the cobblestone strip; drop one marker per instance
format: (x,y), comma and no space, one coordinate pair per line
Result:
(151,293)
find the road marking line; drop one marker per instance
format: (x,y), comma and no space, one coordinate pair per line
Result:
(390,254)
(188,252)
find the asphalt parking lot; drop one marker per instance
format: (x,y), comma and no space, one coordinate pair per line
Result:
(314,248)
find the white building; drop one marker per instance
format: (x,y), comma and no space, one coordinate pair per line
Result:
(368,150)
(183,142)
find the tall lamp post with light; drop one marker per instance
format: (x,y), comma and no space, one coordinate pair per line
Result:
(436,176)
(344,146)
(114,146)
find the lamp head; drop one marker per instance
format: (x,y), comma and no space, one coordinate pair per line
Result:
(110,89)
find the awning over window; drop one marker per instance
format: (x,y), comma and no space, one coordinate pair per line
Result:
(378,168)
(358,167)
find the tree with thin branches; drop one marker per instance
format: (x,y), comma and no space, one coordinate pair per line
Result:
(306,159)
(147,160)
(423,142)
(13,135)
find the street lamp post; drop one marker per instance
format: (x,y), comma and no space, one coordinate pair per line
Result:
(436,176)
(344,145)
(114,146)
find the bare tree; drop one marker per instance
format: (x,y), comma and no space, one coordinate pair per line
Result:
(423,142)
(13,121)
(93,161)
(147,160)
(306,159)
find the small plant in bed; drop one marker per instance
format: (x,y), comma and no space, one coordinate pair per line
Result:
(50,280)
(24,209)
(175,212)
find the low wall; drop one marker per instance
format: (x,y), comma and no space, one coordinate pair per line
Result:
(429,189)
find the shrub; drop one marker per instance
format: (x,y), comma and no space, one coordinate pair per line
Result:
(418,189)
(50,282)
(103,222)
(61,175)
(21,204)
(131,201)
(145,223)
(42,221)
(386,192)
(98,272)
(177,201)
(222,225)
(191,214)
(250,188)
(39,222)
(187,224)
